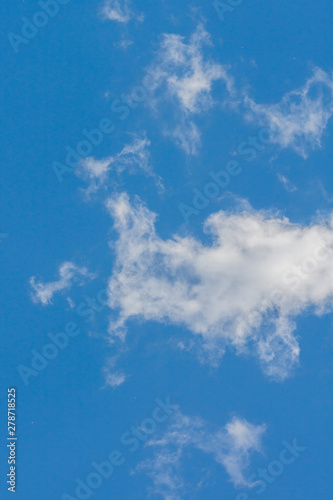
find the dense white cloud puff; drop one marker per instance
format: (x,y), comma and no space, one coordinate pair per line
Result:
(230,446)
(300,119)
(244,289)
(68,274)
(186,78)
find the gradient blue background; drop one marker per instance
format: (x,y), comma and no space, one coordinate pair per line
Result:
(51,90)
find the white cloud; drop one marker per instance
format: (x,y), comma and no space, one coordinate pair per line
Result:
(133,157)
(300,119)
(187,136)
(114,379)
(230,447)
(186,73)
(119,11)
(287,184)
(186,78)
(68,273)
(124,43)
(244,289)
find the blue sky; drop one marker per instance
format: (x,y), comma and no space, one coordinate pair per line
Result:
(167,220)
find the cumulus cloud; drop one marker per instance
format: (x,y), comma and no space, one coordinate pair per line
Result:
(243,289)
(68,274)
(300,119)
(134,157)
(186,77)
(119,11)
(230,446)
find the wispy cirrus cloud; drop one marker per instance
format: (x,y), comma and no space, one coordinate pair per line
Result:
(68,274)
(299,121)
(185,78)
(287,184)
(113,379)
(134,157)
(245,289)
(120,11)
(230,446)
